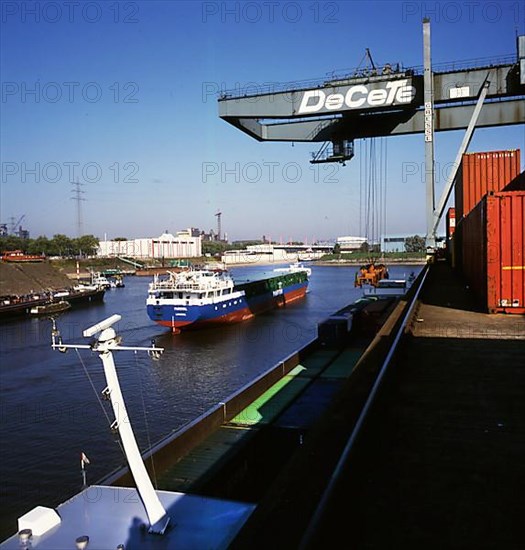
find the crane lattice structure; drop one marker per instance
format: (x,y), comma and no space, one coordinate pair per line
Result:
(14,227)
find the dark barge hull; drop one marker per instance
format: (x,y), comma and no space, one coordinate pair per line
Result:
(23,309)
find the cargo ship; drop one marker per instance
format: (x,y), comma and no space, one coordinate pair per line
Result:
(195,298)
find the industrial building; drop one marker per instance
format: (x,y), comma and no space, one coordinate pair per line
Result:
(351,243)
(184,245)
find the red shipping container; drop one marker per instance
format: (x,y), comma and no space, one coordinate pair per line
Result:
(493,249)
(450,222)
(480,173)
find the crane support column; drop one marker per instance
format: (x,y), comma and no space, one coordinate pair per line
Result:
(429,135)
(462,149)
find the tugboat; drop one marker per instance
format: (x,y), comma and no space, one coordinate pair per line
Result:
(100,281)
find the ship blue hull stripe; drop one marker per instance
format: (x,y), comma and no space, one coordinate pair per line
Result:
(208,312)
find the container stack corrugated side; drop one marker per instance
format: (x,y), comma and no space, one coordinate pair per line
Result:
(494,251)
(488,245)
(480,173)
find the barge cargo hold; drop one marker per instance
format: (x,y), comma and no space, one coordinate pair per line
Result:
(196,298)
(480,173)
(493,251)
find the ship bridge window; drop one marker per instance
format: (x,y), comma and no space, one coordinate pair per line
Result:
(225,291)
(180,295)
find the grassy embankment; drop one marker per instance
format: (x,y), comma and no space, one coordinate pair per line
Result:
(100,264)
(364,257)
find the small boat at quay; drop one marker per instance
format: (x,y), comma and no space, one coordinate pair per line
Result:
(16,256)
(50,308)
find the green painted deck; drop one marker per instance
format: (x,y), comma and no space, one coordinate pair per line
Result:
(344,364)
(203,458)
(323,366)
(317,362)
(273,401)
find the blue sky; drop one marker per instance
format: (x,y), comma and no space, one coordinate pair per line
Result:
(118,96)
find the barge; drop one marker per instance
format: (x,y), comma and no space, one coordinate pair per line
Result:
(15,306)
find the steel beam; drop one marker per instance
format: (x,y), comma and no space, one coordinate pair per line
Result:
(450,87)
(503,113)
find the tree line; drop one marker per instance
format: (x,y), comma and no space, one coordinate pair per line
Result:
(58,245)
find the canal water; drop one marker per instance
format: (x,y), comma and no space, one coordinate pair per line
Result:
(50,412)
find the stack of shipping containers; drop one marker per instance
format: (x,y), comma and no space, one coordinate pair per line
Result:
(489,240)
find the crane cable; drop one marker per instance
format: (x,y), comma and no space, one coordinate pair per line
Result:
(373,190)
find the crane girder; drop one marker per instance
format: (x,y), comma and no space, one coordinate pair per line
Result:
(376,106)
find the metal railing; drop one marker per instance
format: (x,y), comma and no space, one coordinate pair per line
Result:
(253,89)
(334,479)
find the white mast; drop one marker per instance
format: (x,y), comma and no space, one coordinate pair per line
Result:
(107,342)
